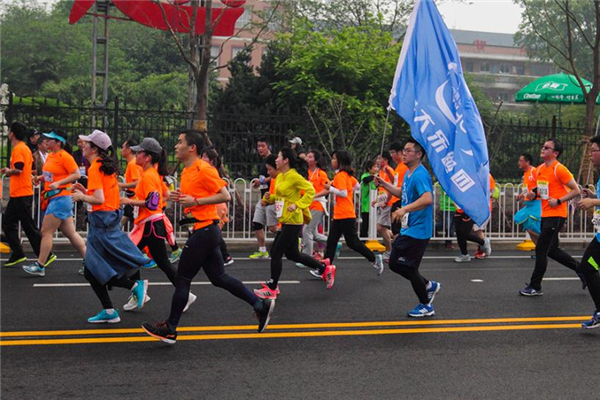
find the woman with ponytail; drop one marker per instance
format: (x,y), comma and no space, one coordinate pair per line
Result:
(151,226)
(292,212)
(111,259)
(59,171)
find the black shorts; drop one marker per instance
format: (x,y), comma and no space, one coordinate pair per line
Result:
(128,212)
(396,226)
(408,251)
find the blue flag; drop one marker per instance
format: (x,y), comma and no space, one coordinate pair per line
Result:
(431,95)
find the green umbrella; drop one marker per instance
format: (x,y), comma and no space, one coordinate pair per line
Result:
(557,88)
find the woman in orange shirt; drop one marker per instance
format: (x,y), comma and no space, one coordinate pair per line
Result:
(60,170)
(343,221)
(318,178)
(111,258)
(152,228)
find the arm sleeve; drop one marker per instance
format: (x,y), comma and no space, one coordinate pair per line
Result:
(338,192)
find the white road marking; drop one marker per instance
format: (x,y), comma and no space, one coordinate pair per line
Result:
(562,279)
(477,280)
(52,285)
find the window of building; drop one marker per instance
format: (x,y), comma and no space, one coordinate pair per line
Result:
(520,70)
(504,69)
(214,52)
(504,96)
(236,50)
(469,67)
(244,19)
(484,67)
(495,68)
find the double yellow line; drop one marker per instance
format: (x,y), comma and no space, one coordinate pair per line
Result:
(33,338)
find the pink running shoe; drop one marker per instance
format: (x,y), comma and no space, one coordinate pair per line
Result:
(266,292)
(329,275)
(317,256)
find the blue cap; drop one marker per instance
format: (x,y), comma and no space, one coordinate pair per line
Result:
(53,135)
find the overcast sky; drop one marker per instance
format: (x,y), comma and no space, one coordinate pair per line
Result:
(481,15)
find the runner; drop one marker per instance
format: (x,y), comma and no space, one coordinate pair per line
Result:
(555,187)
(111,258)
(133,174)
(20,199)
(366,185)
(591,257)
(343,221)
(152,228)
(318,178)
(201,190)
(416,216)
(400,171)
(384,204)
(530,216)
(486,249)
(60,170)
(260,217)
(292,212)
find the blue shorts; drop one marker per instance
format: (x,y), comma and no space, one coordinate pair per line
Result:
(530,216)
(61,207)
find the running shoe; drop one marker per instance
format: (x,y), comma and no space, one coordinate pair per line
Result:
(479,254)
(316,273)
(14,260)
(386,256)
(583,282)
(104,317)
(487,247)
(317,256)
(175,256)
(82,269)
(259,255)
(51,258)
(191,299)
(463,258)
(300,265)
(592,323)
(132,302)
(529,291)
(149,264)
(378,264)
(228,261)
(161,330)
(139,291)
(422,310)
(266,292)
(34,269)
(264,314)
(329,276)
(434,288)
(338,250)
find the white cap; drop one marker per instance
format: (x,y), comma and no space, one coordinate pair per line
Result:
(296,140)
(99,138)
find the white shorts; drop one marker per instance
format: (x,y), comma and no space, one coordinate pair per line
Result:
(265,216)
(384,216)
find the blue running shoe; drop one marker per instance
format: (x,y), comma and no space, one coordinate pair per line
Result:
(338,250)
(529,291)
(34,269)
(150,264)
(433,290)
(139,291)
(422,310)
(104,317)
(592,323)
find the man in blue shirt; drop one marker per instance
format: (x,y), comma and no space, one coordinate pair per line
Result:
(591,258)
(416,218)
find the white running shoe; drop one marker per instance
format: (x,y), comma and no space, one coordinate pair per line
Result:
(378,264)
(191,299)
(132,302)
(487,247)
(463,258)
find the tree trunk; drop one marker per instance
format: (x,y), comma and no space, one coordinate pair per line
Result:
(200,122)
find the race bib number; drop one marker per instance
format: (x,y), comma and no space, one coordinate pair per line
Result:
(278,208)
(382,200)
(48,176)
(404,221)
(596,220)
(543,190)
(136,212)
(89,207)
(82,170)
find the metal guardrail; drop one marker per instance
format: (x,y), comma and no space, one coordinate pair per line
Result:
(244,197)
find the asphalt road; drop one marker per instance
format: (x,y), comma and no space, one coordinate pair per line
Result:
(353,342)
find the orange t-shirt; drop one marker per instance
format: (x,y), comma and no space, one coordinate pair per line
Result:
(384,175)
(318,178)
(272,185)
(58,166)
(109,185)
(344,206)
(165,190)
(400,170)
(133,172)
(552,184)
(201,180)
(20,184)
(530,179)
(149,182)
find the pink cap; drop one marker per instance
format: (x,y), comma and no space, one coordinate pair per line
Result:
(99,138)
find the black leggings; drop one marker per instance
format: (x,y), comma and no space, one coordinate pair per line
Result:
(589,268)
(286,242)
(547,246)
(102,290)
(157,248)
(223,248)
(464,232)
(418,282)
(346,227)
(202,251)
